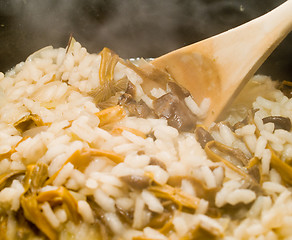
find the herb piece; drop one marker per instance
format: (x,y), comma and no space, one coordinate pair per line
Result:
(111,115)
(35,177)
(120,129)
(284,169)
(108,86)
(240,161)
(176,195)
(81,159)
(6,178)
(33,213)
(63,196)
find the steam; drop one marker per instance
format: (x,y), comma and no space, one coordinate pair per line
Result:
(132,28)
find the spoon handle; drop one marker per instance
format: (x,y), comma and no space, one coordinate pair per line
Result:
(254,40)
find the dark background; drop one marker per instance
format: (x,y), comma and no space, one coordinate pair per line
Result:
(132,28)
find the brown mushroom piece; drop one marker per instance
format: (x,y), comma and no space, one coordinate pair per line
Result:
(202,191)
(239,124)
(177,90)
(279,122)
(170,107)
(131,89)
(203,136)
(155,161)
(286,88)
(125,99)
(102,229)
(249,119)
(138,109)
(137,182)
(126,216)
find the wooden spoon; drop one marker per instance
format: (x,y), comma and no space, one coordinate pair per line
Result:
(218,67)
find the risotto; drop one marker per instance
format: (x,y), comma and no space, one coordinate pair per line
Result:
(96,147)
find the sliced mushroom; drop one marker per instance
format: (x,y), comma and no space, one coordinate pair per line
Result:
(249,119)
(286,88)
(139,109)
(137,182)
(178,115)
(177,90)
(100,220)
(202,191)
(126,216)
(155,161)
(203,136)
(240,124)
(279,122)
(131,89)
(125,99)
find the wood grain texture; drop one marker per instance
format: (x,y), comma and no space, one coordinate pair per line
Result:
(218,67)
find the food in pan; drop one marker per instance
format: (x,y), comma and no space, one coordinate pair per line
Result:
(96,147)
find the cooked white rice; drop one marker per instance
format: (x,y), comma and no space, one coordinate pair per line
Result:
(55,85)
